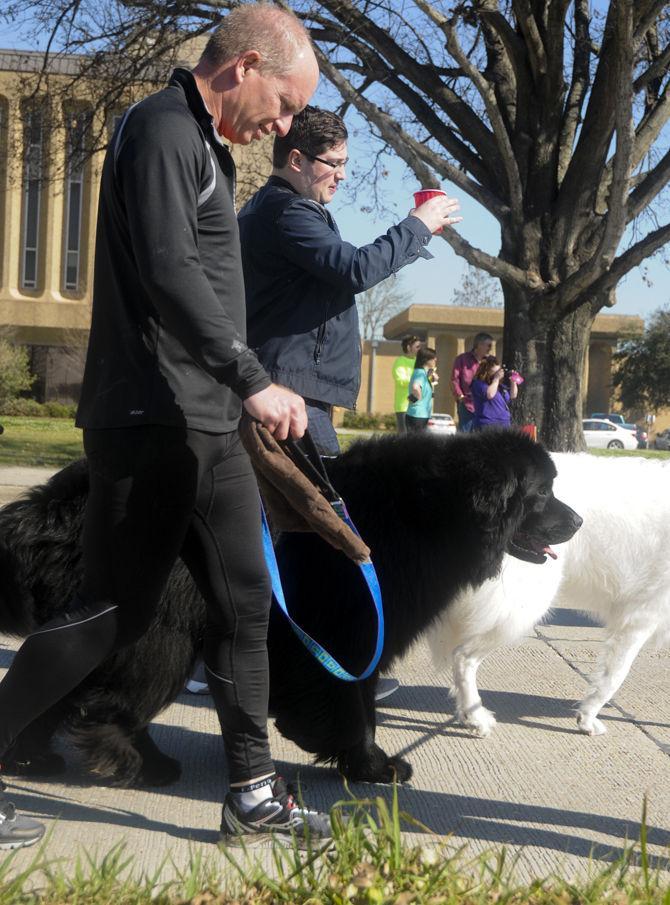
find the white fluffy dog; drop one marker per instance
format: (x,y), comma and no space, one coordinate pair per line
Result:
(617,567)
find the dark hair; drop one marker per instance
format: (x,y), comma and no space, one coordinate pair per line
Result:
(408,341)
(481,338)
(484,369)
(312,131)
(423,356)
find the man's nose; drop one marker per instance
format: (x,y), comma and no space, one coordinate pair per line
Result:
(282,124)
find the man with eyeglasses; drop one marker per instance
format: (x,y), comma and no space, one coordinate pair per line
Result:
(301,277)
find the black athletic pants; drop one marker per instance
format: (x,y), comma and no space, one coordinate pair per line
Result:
(157,493)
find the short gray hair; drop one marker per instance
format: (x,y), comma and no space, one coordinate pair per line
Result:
(277,34)
(482,338)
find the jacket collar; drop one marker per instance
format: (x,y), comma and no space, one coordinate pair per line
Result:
(185,80)
(281,183)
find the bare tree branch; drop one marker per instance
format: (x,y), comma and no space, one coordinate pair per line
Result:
(499,128)
(653,182)
(631,258)
(578,86)
(421,160)
(514,276)
(458,111)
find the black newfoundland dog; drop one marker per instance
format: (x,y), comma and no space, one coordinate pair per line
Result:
(438,515)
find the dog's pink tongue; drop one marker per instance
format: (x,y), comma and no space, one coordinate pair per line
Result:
(550,552)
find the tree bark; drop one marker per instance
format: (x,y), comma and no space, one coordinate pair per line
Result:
(551,359)
(563,363)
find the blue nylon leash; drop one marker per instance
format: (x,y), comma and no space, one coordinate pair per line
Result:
(367,569)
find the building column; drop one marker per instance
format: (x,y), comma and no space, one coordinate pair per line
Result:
(13,199)
(447,347)
(54,197)
(599,376)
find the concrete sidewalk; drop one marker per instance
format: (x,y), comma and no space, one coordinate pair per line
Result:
(535,785)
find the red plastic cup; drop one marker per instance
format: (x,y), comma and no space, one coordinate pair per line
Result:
(424,195)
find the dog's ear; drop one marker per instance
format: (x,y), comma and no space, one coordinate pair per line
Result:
(498,494)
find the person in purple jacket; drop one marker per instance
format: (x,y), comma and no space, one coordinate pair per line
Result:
(491,398)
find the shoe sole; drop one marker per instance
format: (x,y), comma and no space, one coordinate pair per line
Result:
(23,843)
(256,840)
(382,695)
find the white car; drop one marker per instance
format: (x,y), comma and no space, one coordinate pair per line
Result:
(441,424)
(603,434)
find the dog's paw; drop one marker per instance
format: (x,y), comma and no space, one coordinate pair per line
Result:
(159,771)
(41,766)
(397,770)
(374,765)
(480,720)
(590,725)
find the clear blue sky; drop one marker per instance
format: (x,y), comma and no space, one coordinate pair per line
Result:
(433,282)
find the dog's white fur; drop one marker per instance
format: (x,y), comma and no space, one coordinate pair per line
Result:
(617,567)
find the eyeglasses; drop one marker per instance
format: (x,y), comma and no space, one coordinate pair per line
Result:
(333,164)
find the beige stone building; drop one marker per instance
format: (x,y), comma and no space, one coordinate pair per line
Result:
(48,203)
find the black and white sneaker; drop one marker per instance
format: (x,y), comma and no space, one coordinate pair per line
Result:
(280,817)
(17,831)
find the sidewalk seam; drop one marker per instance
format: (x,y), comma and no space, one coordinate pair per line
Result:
(664,748)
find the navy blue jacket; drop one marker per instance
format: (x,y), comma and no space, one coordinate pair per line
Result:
(300,280)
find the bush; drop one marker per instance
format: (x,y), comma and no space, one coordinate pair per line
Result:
(31,408)
(15,376)
(59,409)
(376,421)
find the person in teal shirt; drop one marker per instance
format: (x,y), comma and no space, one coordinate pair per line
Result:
(421,384)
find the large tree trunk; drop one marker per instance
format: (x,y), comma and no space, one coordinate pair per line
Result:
(563,372)
(552,363)
(522,351)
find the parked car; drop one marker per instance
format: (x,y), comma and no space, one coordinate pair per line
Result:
(603,434)
(441,424)
(662,439)
(614,417)
(617,418)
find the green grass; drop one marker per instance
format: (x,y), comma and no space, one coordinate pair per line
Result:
(51,442)
(369,863)
(640,453)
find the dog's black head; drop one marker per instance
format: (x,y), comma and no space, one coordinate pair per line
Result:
(545,520)
(533,518)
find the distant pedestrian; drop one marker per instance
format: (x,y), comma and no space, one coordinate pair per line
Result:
(462,374)
(403,367)
(491,394)
(420,398)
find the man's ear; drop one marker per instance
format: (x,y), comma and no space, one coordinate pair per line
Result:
(295,159)
(245,63)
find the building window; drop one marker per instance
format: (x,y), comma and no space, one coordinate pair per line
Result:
(32,197)
(77,127)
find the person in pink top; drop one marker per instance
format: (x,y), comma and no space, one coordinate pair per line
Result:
(462,374)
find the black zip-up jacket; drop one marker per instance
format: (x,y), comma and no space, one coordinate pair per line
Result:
(300,279)
(168,332)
